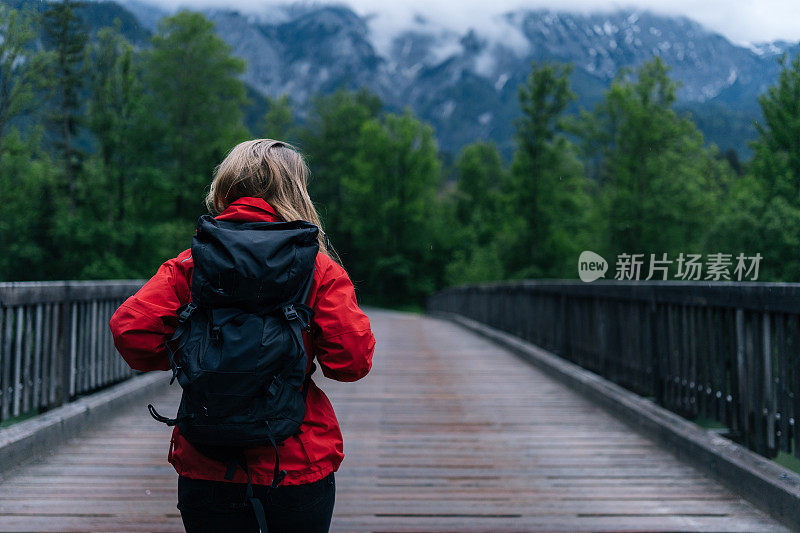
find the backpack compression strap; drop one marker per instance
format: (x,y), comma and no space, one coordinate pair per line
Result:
(298,316)
(164,420)
(240,460)
(258,508)
(297,323)
(184,314)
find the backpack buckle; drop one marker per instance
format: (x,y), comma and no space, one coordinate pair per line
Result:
(175,374)
(214,333)
(279,479)
(186,313)
(289,312)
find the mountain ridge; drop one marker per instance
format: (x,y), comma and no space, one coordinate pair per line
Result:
(465,82)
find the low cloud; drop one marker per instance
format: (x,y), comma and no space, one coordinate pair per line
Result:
(742,21)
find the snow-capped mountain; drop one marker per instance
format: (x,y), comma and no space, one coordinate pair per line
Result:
(465,81)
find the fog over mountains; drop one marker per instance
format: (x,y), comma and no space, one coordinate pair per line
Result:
(464,82)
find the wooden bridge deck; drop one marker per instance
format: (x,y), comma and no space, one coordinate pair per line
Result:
(448,433)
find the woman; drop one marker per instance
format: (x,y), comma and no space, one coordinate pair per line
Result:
(259,180)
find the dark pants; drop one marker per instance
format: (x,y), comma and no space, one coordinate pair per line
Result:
(210,506)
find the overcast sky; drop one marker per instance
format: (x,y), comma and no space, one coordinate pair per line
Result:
(741,21)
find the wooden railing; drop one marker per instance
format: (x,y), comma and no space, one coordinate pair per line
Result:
(55,343)
(726,352)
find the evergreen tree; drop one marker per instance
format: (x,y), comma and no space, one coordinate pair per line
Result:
(660,185)
(776,152)
(762,211)
(20,67)
(115,112)
(478,216)
(331,139)
(480,173)
(66,36)
(26,180)
(26,171)
(197,100)
(279,119)
(390,203)
(119,176)
(546,229)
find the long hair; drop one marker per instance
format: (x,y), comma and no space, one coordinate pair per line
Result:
(268,169)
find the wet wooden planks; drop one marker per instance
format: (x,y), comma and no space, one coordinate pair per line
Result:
(113,478)
(452,433)
(448,433)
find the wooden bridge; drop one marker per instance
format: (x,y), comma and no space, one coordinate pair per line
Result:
(449,432)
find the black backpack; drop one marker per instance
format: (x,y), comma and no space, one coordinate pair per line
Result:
(238,350)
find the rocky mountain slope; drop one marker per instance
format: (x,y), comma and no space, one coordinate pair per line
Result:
(465,82)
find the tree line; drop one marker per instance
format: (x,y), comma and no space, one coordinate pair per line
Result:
(106,152)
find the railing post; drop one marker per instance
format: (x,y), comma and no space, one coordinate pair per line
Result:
(768,401)
(656,346)
(724,351)
(40,342)
(37,358)
(5,362)
(601,337)
(65,338)
(18,376)
(561,333)
(741,373)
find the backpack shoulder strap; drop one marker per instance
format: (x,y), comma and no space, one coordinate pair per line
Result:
(300,321)
(307,379)
(309,284)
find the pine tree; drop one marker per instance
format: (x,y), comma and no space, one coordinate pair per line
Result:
(660,185)
(115,110)
(330,139)
(279,119)
(26,180)
(67,38)
(197,105)
(20,67)
(390,203)
(479,213)
(776,157)
(546,188)
(761,213)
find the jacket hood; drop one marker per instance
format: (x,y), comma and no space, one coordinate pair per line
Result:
(249,209)
(243,259)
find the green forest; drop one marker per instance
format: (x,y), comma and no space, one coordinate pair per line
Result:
(107,150)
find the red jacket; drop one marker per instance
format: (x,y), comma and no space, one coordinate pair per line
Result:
(340,340)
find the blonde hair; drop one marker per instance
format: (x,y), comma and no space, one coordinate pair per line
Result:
(268,169)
